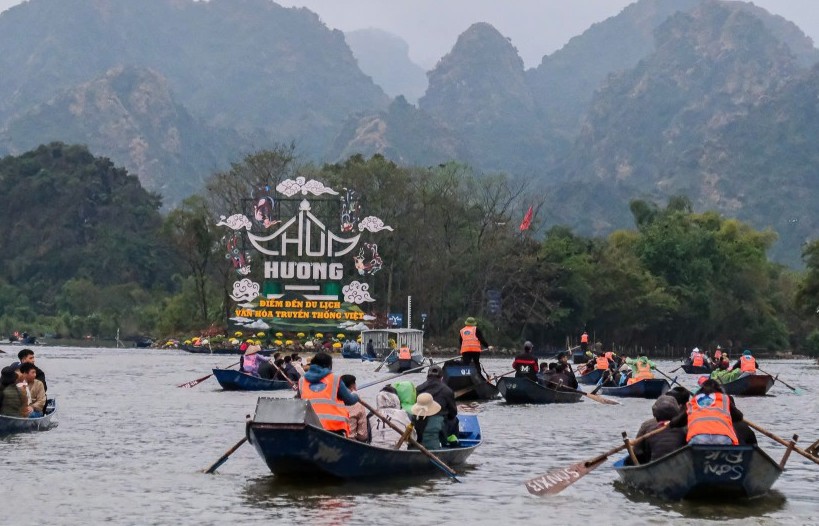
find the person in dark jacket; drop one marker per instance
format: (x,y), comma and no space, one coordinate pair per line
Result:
(266,370)
(562,377)
(665,408)
(680,394)
(525,363)
(27,356)
(289,370)
(444,396)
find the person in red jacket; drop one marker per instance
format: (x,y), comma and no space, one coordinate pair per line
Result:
(525,364)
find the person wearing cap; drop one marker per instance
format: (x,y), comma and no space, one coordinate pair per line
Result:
(327,394)
(664,409)
(472,342)
(13,399)
(358,415)
(444,396)
(250,361)
(746,363)
(525,363)
(428,422)
(388,405)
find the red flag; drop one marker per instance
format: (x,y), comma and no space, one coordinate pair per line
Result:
(527,220)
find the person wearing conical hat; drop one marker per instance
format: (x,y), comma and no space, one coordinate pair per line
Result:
(251,360)
(472,342)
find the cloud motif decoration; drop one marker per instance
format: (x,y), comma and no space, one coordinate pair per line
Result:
(245,290)
(373,224)
(241,320)
(235,222)
(357,292)
(290,187)
(258,324)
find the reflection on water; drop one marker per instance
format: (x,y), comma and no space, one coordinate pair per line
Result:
(131,446)
(717,509)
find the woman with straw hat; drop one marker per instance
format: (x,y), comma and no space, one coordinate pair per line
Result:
(428,422)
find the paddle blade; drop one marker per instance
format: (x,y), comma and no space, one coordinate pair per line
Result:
(195,382)
(602,400)
(557,480)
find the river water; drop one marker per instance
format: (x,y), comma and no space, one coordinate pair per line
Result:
(130,448)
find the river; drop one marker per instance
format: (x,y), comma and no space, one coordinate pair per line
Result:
(130,448)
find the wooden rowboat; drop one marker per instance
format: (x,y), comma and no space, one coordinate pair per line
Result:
(579,357)
(396,365)
(288,436)
(525,391)
(468,383)
(11,425)
(591,377)
(750,385)
(651,389)
(233,380)
(704,472)
(219,350)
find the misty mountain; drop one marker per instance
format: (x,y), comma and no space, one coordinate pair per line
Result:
(385,57)
(131,115)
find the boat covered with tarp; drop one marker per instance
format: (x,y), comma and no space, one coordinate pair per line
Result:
(288,436)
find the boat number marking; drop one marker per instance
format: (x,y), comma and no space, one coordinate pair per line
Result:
(724,464)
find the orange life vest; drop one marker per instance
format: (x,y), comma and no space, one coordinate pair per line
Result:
(404,353)
(469,339)
(709,414)
(696,360)
(747,364)
(584,338)
(602,363)
(643,372)
(330,409)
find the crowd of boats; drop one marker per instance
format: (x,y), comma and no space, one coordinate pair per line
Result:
(289,436)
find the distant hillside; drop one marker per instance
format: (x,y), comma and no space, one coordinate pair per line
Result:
(385,57)
(131,116)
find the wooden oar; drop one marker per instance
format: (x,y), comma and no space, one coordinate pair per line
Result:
(200,380)
(795,390)
(437,462)
(557,480)
(782,441)
(598,398)
(673,380)
(385,360)
(292,384)
(224,457)
(675,370)
(408,371)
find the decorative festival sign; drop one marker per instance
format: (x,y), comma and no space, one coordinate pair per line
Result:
(303,260)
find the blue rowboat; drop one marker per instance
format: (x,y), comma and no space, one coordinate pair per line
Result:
(468,383)
(10,425)
(525,391)
(750,385)
(233,380)
(288,436)
(643,389)
(590,378)
(704,472)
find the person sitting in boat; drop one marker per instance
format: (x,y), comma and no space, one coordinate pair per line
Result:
(471,342)
(710,416)
(525,363)
(358,415)
(371,349)
(445,397)
(389,406)
(697,358)
(249,362)
(641,368)
(36,392)
(404,353)
(562,377)
(680,394)
(27,356)
(278,366)
(545,375)
(13,398)
(717,356)
(665,408)
(266,369)
(723,374)
(428,422)
(746,363)
(295,360)
(327,394)
(563,358)
(290,370)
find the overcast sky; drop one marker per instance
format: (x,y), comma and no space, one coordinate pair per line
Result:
(536,27)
